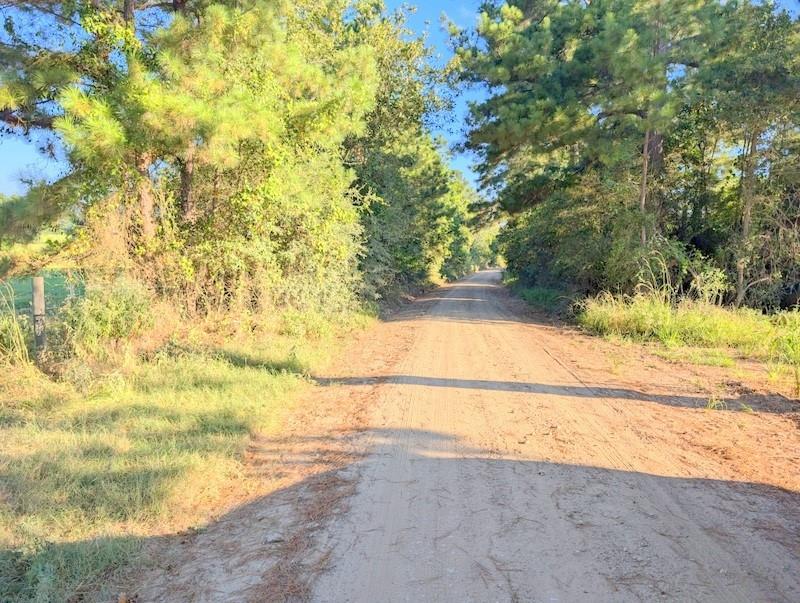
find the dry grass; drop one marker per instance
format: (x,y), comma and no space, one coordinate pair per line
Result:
(89,472)
(698,331)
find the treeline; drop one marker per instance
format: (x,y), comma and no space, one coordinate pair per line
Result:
(235,155)
(633,142)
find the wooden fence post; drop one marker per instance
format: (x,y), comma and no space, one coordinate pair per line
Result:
(39,336)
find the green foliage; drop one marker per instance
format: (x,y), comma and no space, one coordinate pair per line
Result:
(622,131)
(109,313)
(417,221)
(239,158)
(484,252)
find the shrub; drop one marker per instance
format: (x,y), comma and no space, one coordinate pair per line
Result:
(108,314)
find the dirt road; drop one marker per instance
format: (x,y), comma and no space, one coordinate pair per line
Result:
(481,456)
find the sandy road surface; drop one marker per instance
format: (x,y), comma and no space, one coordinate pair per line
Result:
(464,452)
(496,474)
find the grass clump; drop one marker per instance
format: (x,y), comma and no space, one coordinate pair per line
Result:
(686,323)
(14,332)
(549,299)
(543,298)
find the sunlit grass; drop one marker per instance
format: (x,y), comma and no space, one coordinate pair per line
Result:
(717,333)
(84,478)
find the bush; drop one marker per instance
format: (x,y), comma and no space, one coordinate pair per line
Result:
(108,314)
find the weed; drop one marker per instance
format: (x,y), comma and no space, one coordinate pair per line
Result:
(715,403)
(14,330)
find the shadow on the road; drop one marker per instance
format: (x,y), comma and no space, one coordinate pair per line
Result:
(481,299)
(527,506)
(774,403)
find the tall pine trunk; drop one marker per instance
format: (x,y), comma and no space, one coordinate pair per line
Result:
(644,184)
(145,198)
(747,187)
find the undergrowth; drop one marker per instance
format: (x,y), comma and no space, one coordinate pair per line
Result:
(548,299)
(688,323)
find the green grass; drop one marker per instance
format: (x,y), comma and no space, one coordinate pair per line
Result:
(58,287)
(542,298)
(706,357)
(719,331)
(86,478)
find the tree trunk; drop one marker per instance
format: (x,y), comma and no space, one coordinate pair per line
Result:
(747,187)
(656,166)
(643,187)
(128,7)
(144,195)
(187,184)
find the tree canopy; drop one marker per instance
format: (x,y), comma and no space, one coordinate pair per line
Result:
(676,120)
(265,152)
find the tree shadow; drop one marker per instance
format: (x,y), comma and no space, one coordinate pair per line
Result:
(774,403)
(504,529)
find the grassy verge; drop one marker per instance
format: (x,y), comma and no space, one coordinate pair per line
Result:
(87,474)
(716,333)
(702,356)
(542,298)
